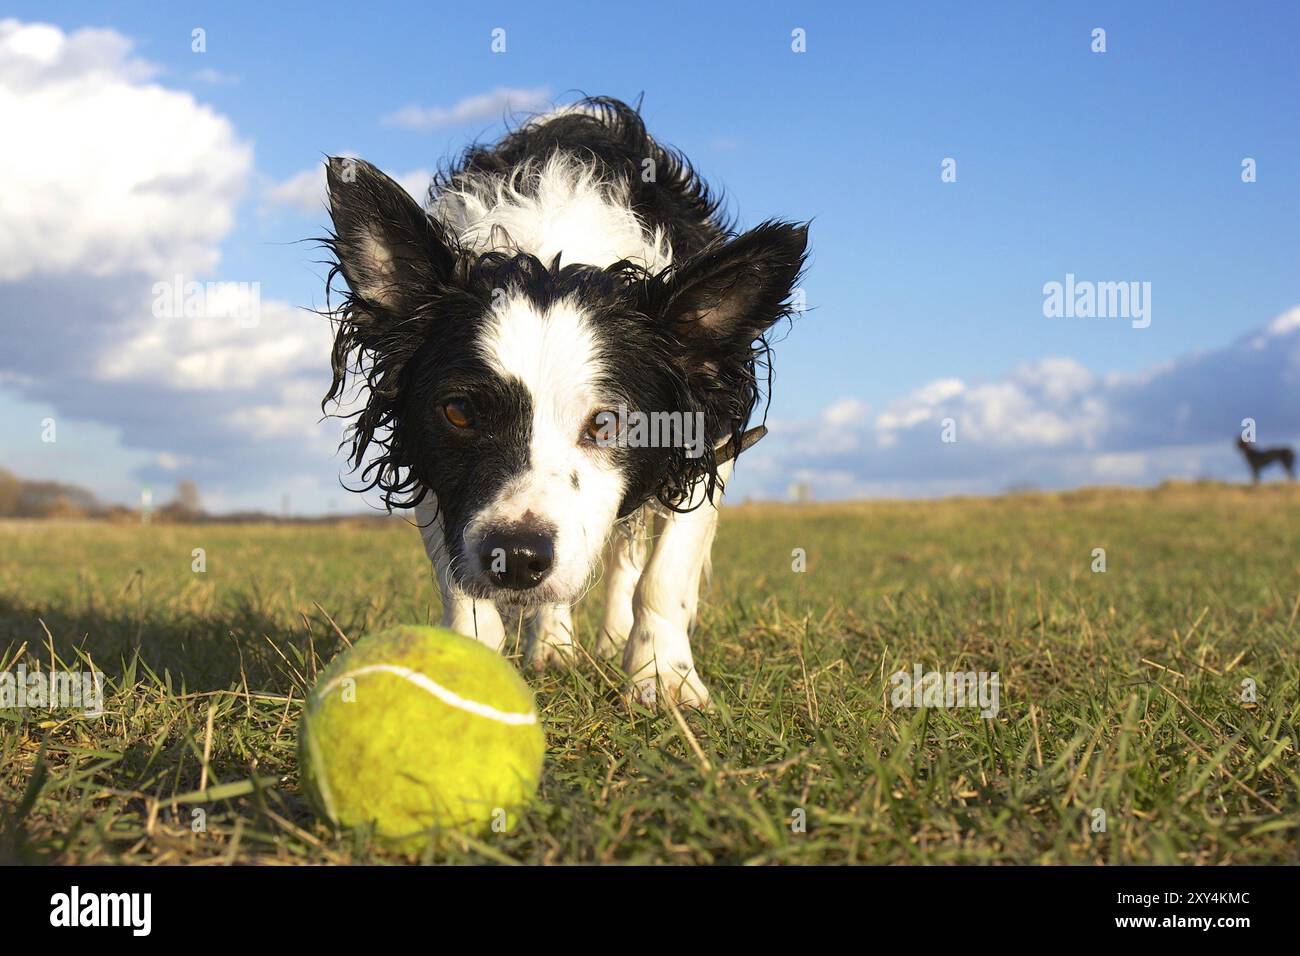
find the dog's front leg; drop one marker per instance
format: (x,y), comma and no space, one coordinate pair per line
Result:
(472,617)
(624,564)
(552,638)
(658,657)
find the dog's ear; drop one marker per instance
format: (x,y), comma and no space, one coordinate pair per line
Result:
(390,252)
(721,300)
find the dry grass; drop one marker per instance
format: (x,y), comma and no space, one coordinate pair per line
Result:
(1121,692)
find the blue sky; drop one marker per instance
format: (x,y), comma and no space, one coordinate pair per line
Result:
(1115,166)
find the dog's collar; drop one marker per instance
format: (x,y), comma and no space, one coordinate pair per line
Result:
(725,450)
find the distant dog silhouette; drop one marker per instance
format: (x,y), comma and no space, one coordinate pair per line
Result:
(1261,458)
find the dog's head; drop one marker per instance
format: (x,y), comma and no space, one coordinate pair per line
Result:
(505,386)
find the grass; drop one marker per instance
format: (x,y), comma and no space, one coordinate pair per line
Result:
(1121,692)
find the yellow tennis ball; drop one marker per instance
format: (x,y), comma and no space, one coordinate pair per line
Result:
(418,729)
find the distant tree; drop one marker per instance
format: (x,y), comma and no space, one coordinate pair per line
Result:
(187,496)
(11,490)
(20,498)
(62,506)
(120,514)
(50,499)
(186,506)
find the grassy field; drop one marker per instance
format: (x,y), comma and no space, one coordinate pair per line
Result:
(1121,692)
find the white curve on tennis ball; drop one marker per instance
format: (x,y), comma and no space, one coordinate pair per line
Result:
(448,697)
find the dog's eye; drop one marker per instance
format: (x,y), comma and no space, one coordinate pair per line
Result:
(602,427)
(459,413)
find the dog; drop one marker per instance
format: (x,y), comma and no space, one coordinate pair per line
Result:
(1261,458)
(572,276)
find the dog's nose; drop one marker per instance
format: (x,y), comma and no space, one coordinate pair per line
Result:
(517,559)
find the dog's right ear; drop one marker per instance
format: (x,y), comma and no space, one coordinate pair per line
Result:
(391,253)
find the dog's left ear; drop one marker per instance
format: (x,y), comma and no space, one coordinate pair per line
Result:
(721,300)
(388,249)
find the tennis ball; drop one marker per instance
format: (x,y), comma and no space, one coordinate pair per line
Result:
(416,729)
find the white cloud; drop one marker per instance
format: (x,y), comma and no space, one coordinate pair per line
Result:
(215,77)
(1121,466)
(846,411)
(1051,423)
(1286,322)
(919,405)
(218,352)
(494,105)
(114,183)
(106,171)
(287,414)
(304,191)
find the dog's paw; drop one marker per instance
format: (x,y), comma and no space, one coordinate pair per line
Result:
(552,655)
(659,666)
(643,692)
(609,647)
(671,688)
(550,644)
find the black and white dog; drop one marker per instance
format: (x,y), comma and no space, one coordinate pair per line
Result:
(571,277)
